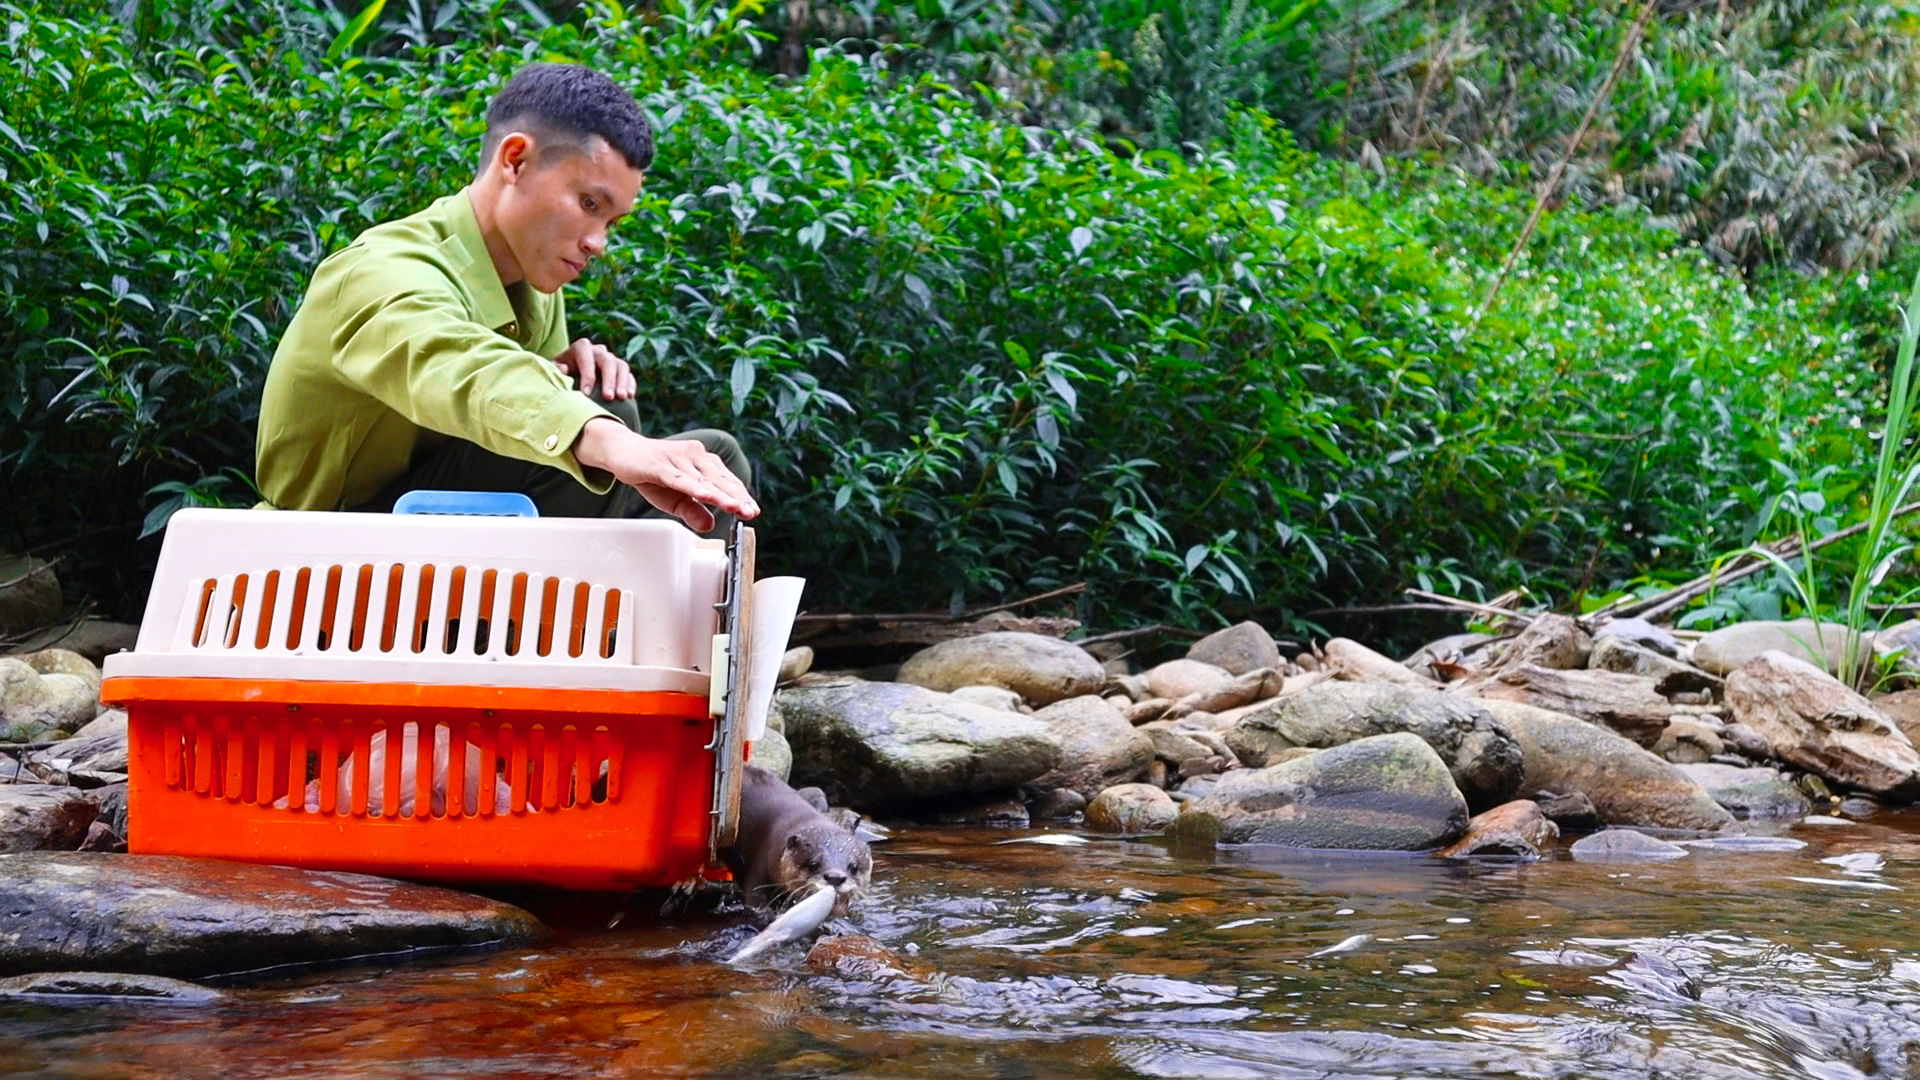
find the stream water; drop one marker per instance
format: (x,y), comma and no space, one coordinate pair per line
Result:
(1124,959)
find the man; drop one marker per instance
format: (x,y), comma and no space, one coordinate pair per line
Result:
(432,352)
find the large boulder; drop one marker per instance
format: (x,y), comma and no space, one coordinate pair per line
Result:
(1239,649)
(29,594)
(1729,648)
(1626,784)
(33,705)
(884,746)
(1098,747)
(1040,669)
(99,746)
(43,817)
(1483,757)
(1758,792)
(189,918)
(1629,704)
(1382,793)
(1810,719)
(1614,653)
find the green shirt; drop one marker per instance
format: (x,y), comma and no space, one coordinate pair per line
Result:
(407,338)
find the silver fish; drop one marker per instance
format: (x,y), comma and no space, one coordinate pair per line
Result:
(796,922)
(1346,945)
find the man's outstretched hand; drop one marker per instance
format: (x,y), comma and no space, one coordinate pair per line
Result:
(592,366)
(679,476)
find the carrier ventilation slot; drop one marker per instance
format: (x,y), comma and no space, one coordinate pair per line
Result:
(348,769)
(409,609)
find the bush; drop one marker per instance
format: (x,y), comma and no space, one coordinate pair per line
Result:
(974,358)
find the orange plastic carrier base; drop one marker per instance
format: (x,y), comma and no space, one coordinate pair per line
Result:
(211,757)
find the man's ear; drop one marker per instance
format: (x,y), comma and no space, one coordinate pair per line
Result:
(515,155)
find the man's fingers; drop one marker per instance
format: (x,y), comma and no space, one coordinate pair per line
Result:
(611,369)
(586,371)
(696,516)
(732,493)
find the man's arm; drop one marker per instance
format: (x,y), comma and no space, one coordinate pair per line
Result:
(678,476)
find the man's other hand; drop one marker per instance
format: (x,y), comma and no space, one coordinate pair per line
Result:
(595,365)
(678,476)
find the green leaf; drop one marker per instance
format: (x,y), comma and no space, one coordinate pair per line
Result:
(344,41)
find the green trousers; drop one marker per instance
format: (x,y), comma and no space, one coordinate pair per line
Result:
(458,465)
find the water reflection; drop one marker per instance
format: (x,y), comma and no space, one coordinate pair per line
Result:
(1122,959)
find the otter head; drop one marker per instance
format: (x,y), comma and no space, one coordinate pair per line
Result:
(824,855)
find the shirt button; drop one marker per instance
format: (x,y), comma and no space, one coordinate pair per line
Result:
(513,329)
(552,442)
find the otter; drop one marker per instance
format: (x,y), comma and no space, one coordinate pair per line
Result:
(787,848)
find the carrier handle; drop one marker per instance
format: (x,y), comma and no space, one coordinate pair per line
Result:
(467,503)
(729,730)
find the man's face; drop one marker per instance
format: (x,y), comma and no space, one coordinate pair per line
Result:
(555,212)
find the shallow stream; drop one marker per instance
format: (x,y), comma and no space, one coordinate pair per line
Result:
(1123,959)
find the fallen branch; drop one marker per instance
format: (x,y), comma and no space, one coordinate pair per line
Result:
(1456,604)
(1143,631)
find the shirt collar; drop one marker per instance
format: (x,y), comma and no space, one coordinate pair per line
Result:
(492,308)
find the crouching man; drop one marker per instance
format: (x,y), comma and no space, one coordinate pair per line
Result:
(433,351)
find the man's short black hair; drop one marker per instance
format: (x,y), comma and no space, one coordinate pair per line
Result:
(563,105)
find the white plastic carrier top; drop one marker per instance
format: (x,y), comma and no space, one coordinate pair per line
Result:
(469,601)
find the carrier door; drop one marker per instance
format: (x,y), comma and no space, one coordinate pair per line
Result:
(729,733)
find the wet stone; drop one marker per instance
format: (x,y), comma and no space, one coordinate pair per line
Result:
(1058,804)
(1625,845)
(1131,810)
(1757,792)
(191,918)
(87,987)
(1570,811)
(1516,829)
(43,817)
(1042,670)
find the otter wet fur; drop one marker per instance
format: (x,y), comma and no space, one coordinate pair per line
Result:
(787,848)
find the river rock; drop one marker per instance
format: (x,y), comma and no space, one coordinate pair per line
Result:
(1549,641)
(1572,810)
(1729,648)
(1750,792)
(1688,742)
(33,705)
(99,746)
(1627,784)
(1098,747)
(189,918)
(1381,793)
(1670,676)
(1042,670)
(43,817)
(87,986)
(1811,720)
(795,662)
(1239,649)
(29,594)
(1172,746)
(772,752)
(1903,708)
(1629,704)
(1006,809)
(1483,757)
(1624,845)
(1222,697)
(63,662)
(1354,662)
(95,639)
(991,697)
(1131,810)
(1058,804)
(110,804)
(1465,649)
(1644,634)
(882,746)
(1176,679)
(1517,829)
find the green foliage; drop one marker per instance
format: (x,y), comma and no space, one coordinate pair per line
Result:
(973,357)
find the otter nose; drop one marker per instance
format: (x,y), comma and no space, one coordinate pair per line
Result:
(834,878)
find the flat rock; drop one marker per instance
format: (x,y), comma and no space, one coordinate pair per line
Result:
(43,817)
(886,746)
(1618,654)
(95,639)
(1728,649)
(1042,670)
(1810,719)
(1688,742)
(1239,649)
(89,986)
(1098,747)
(1131,810)
(1483,757)
(992,697)
(100,746)
(1624,845)
(1382,793)
(1176,679)
(1516,830)
(1629,704)
(1626,784)
(191,918)
(1755,792)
